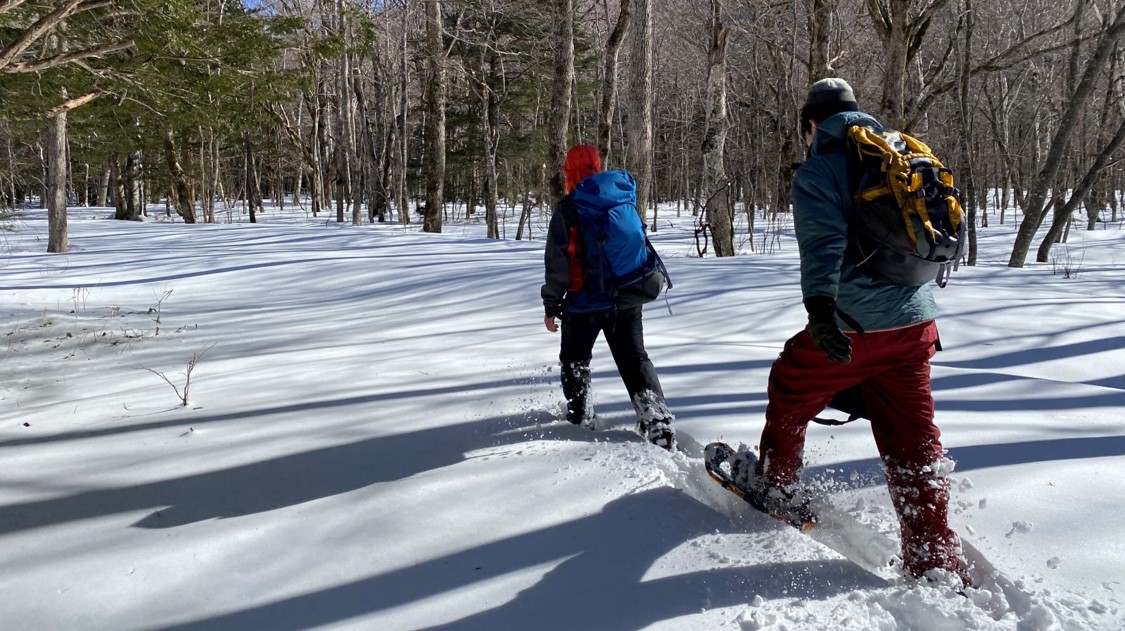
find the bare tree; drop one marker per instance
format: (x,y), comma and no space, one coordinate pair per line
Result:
(435,117)
(560,96)
(901,32)
(820,31)
(964,64)
(716,188)
(639,114)
(609,87)
(1037,203)
(1064,212)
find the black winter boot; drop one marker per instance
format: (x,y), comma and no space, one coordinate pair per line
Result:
(576,389)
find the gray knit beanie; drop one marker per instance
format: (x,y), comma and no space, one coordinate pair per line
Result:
(827,97)
(830,90)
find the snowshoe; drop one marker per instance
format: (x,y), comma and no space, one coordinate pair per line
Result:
(736,472)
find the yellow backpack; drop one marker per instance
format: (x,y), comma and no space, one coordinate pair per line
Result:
(908,226)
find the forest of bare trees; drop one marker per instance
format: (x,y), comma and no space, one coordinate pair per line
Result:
(422,111)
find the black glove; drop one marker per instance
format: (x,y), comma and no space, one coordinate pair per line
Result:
(825,332)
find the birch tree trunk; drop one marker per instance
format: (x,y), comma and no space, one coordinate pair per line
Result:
(560,98)
(435,118)
(715,185)
(609,82)
(640,104)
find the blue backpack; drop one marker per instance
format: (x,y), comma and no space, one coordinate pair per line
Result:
(620,266)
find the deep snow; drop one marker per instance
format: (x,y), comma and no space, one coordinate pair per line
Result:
(372,438)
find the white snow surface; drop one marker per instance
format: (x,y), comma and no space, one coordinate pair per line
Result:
(373,441)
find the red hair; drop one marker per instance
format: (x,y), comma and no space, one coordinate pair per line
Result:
(582,161)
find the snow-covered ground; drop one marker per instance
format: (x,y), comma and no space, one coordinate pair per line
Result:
(372,442)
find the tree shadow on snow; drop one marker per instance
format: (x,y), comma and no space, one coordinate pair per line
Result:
(869,472)
(597,582)
(285,480)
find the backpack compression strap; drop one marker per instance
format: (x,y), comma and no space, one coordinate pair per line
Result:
(903,181)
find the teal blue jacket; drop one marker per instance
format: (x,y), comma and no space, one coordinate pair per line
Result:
(822,201)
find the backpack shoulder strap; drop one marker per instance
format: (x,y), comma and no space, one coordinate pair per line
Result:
(659,262)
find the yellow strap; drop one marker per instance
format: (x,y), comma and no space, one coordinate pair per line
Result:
(903,183)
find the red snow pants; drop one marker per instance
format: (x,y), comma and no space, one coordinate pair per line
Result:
(892,370)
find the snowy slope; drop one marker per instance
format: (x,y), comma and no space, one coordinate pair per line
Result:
(372,439)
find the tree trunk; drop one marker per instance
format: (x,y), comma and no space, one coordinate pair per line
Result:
(380,137)
(968,200)
(490,137)
(206,195)
(185,205)
(820,30)
(216,186)
(640,110)
(346,154)
(103,188)
(901,34)
(253,189)
(1063,212)
(117,177)
(715,186)
(891,17)
(560,98)
(132,206)
(324,143)
(56,183)
(403,110)
(435,117)
(609,86)
(1037,197)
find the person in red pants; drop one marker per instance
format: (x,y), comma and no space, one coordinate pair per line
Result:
(888,364)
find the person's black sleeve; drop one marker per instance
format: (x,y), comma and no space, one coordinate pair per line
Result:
(556,264)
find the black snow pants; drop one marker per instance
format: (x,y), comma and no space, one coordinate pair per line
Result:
(625,335)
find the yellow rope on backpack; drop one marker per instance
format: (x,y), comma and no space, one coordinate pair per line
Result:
(900,179)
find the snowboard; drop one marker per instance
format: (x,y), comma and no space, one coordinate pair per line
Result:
(798,513)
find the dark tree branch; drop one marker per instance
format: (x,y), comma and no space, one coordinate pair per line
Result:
(73,103)
(59,60)
(43,25)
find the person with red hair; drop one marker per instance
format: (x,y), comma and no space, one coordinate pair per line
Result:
(587,311)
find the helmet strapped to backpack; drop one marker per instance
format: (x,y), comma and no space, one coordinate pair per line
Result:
(909,227)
